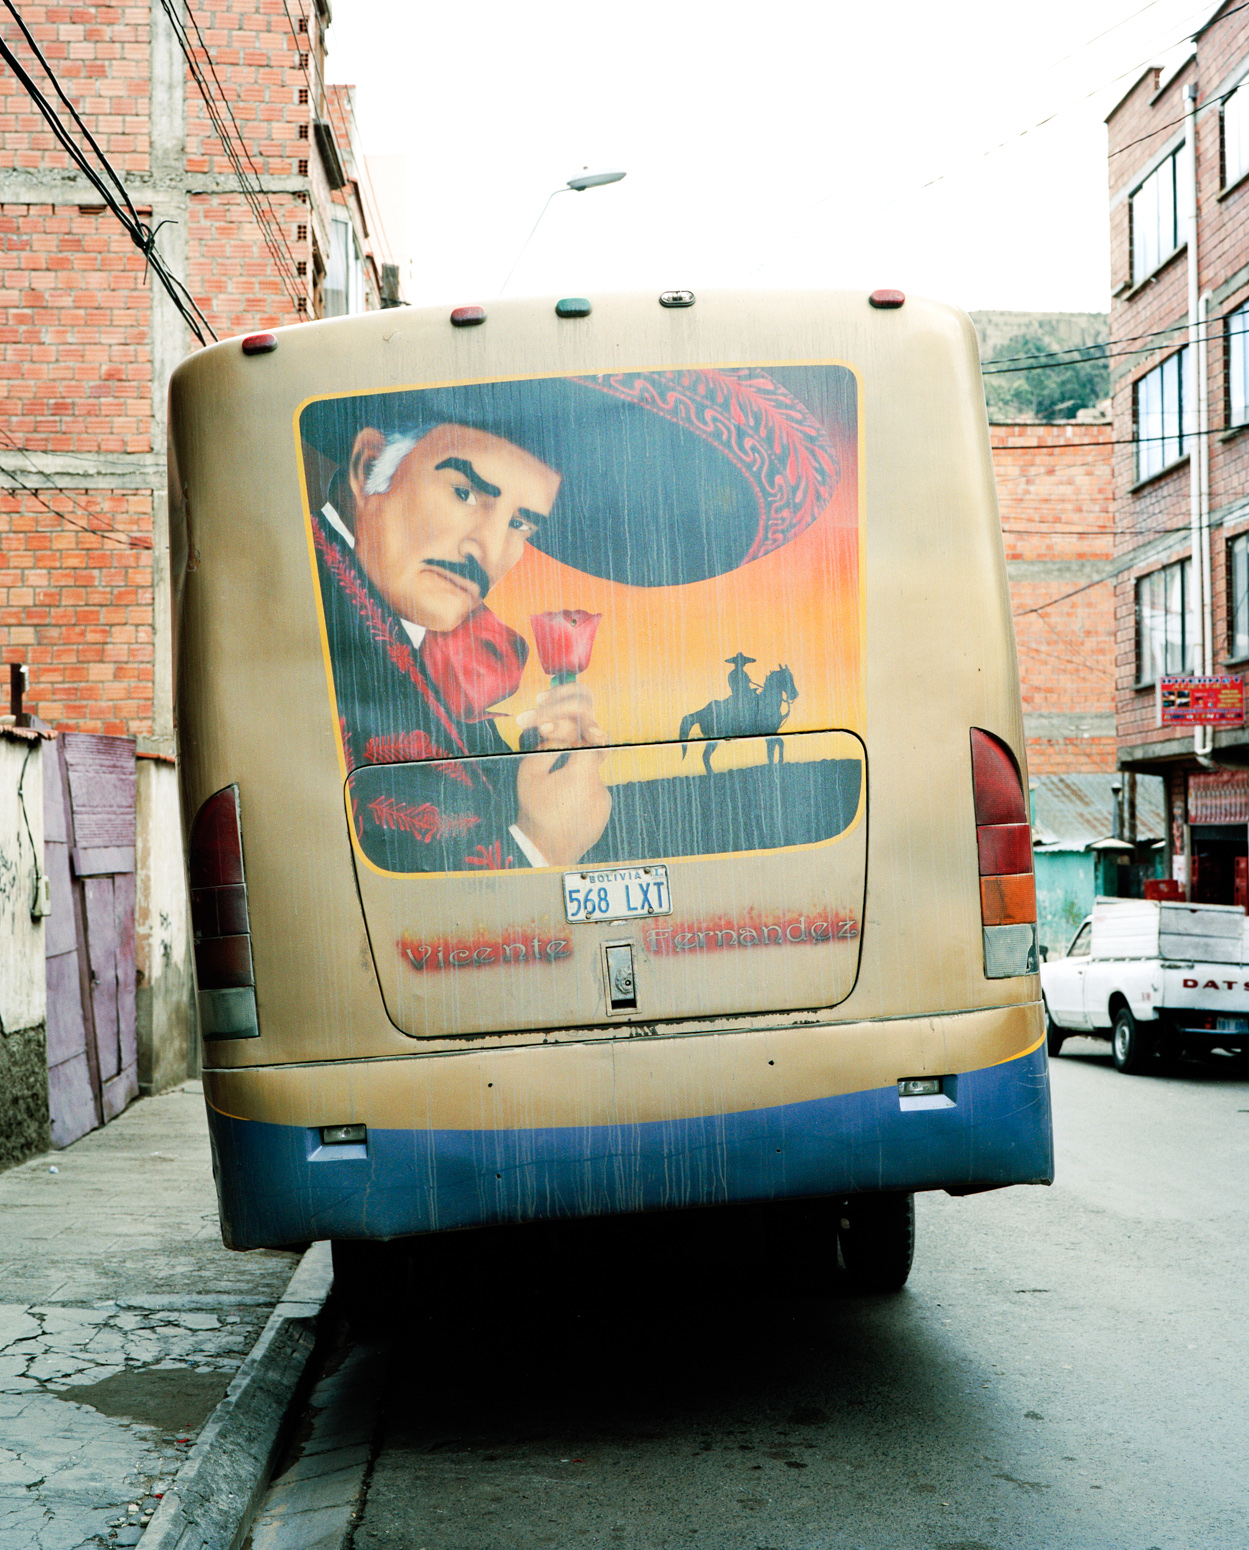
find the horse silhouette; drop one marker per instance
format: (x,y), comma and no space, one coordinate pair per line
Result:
(757,713)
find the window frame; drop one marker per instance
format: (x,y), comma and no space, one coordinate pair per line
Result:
(1236,417)
(1166,174)
(1237,557)
(1239,95)
(1148,668)
(1178,366)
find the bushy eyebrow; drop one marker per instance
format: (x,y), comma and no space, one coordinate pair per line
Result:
(463,466)
(530,516)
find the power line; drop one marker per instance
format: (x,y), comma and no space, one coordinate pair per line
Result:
(115,197)
(284,261)
(113,534)
(48,481)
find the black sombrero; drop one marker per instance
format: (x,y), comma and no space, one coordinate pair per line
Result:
(667,477)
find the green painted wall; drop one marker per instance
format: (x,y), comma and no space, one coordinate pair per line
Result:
(1066,885)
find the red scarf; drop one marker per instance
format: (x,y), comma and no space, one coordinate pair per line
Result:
(475,665)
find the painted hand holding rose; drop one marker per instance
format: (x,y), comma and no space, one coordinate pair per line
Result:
(564,805)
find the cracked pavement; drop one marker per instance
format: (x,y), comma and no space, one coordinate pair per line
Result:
(122,1321)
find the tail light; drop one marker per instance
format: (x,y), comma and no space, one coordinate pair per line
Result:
(1004,846)
(223,942)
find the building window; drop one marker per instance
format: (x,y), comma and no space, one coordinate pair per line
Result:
(1238,600)
(1235,135)
(344,281)
(1238,366)
(1166,633)
(1163,407)
(1158,210)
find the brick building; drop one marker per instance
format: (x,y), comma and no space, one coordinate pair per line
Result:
(1054,494)
(231,136)
(1179,333)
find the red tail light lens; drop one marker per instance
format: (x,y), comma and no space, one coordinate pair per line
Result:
(223,944)
(998,784)
(1003,834)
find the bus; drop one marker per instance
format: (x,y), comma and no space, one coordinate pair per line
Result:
(601,746)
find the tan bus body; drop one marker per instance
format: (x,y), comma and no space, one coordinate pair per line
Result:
(408,1028)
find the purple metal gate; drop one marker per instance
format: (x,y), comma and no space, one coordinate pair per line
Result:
(89,819)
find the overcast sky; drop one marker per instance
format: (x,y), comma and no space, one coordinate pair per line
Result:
(776,144)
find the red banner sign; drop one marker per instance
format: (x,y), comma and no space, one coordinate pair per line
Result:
(1209,702)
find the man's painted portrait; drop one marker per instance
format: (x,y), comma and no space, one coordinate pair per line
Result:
(585,620)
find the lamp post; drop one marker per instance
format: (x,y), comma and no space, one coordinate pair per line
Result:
(578,185)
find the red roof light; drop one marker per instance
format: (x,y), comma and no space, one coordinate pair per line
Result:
(887,298)
(259,344)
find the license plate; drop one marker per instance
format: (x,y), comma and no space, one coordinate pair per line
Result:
(1231,1024)
(619,894)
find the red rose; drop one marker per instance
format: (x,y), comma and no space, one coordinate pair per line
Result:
(564,640)
(475,665)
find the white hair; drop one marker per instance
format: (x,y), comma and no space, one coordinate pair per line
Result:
(386,464)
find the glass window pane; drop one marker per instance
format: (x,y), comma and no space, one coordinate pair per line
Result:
(1180,198)
(1191,624)
(1236,135)
(1239,556)
(1174,650)
(1149,424)
(1238,364)
(1145,229)
(334,293)
(1186,415)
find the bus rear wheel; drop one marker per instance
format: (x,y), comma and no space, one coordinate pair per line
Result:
(1131,1046)
(876,1235)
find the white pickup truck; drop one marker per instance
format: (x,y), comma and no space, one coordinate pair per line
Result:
(1152,977)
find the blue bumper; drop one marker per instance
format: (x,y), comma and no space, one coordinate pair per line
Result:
(278,1185)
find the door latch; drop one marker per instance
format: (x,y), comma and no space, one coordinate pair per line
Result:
(621,986)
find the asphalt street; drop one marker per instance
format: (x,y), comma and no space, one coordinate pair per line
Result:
(1066,1367)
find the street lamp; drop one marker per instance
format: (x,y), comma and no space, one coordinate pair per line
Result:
(578,185)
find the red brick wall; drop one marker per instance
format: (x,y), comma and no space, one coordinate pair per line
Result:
(100,56)
(1055,490)
(74,360)
(75,330)
(1156,307)
(77,606)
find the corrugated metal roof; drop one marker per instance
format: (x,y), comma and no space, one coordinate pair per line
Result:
(1072,812)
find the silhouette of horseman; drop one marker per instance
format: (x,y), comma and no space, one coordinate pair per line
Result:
(751,710)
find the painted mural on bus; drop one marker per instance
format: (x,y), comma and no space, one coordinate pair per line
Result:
(582,620)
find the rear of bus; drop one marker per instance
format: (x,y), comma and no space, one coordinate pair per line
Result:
(603,757)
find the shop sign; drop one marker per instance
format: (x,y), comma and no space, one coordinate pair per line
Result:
(1217,701)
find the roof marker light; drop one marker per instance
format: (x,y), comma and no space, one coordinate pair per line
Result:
(467,317)
(676,298)
(572,307)
(259,344)
(887,298)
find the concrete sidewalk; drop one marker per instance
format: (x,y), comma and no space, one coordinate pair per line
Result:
(123,1321)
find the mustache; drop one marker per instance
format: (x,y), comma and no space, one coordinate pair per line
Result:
(468,569)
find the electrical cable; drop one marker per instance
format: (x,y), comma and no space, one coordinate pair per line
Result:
(141,233)
(21,800)
(132,541)
(51,484)
(284,262)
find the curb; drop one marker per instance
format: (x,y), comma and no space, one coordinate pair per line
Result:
(212,1499)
